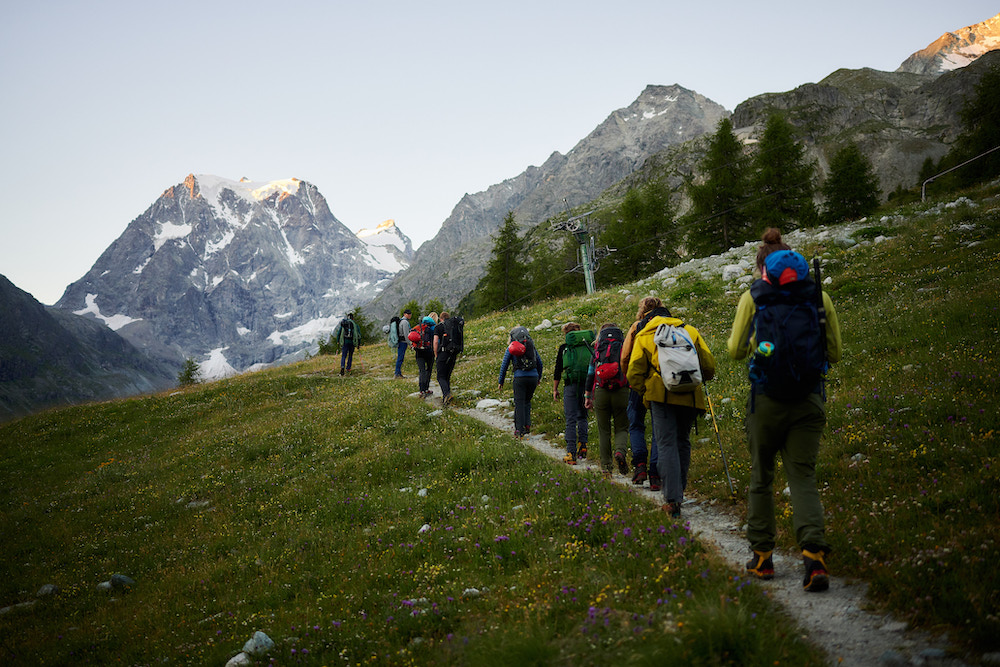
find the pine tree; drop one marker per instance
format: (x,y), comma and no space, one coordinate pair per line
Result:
(718,212)
(641,235)
(981,118)
(190,373)
(851,190)
(782,181)
(505,280)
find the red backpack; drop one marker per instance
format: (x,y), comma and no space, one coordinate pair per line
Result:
(608,354)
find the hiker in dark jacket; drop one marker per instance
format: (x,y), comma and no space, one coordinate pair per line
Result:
(527,365)
(574,390)
(610,404)
(347,335)
(789,427)
(445,359)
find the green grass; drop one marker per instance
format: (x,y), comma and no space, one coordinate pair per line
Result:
(290,500)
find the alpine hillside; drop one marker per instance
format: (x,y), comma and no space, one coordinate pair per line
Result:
(50,357)
(448,266)
(234,274)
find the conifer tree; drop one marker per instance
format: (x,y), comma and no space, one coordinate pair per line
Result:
(190,373)
(981,118)
(641,235)
(851,190)
(505,279)
(783,185)
(718,213)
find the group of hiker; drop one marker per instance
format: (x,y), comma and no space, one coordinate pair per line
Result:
(784,323)
(436,342)
(788,327)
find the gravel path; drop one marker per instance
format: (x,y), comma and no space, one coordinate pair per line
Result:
(838,620)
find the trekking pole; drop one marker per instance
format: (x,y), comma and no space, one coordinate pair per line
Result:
(718,437)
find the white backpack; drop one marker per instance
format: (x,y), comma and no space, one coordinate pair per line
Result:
(680,368)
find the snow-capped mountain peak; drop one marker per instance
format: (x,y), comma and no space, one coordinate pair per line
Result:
(389,248)
(235,274)
(953,50)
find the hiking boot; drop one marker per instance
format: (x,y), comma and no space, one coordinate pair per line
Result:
(640,474)
(760,565)
(654,482)
(342,371)
(817,578)
(581,451)
(569,458)
(446,400)
(622,463)
(673,509)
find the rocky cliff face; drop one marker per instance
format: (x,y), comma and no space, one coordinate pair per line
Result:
(50,357)
(898,119)
(448,266)
(231,273)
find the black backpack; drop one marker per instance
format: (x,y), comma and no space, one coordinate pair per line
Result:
(347,327)
(526,362)
(454,334)
(790,360)
(608,354)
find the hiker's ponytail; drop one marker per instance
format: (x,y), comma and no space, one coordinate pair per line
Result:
(772,243)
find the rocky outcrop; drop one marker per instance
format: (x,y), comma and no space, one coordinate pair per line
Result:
(898,119)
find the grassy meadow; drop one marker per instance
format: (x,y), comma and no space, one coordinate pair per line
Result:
(355,525)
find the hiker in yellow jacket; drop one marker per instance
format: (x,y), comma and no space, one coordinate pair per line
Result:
(673,413)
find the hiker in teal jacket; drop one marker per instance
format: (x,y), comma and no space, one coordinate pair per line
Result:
(789,427)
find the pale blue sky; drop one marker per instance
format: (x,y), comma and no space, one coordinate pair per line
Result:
(392,109)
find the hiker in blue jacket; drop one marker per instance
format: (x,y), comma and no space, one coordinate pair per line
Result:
(527,374)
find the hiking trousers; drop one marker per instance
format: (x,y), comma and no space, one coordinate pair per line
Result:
(524,389)
(577,429)
(672,434)
(793,430)
(637,432)
(445,366)
(400,356)
(611,408)
(346,355)
(425,364)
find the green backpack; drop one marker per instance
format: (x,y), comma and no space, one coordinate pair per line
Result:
(576,356)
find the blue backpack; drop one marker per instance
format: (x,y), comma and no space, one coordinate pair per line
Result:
(790,360)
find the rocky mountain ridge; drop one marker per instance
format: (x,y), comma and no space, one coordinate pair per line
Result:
(448,266)
(897,119)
